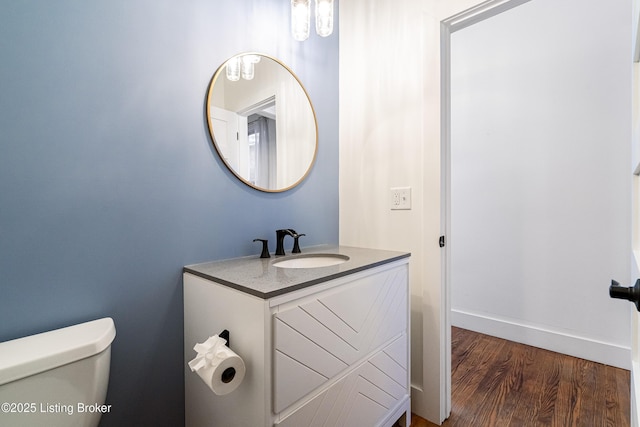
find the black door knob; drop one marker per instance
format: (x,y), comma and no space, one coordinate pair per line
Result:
(632,294)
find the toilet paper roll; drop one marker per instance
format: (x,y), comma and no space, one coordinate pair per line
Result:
(221,369)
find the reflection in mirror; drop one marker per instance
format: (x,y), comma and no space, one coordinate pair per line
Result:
(261,122)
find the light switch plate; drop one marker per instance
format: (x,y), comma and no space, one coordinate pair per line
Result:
(400,198)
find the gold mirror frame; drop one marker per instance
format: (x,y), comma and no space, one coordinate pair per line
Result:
(274,91)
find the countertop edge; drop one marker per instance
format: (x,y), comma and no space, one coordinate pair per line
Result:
(297,286)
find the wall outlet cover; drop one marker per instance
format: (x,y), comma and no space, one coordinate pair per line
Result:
(400,198)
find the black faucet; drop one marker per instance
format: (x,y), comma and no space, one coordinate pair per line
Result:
(280,235)
(265,248)
(296,246)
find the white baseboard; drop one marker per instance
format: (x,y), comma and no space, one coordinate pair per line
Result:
(548,339)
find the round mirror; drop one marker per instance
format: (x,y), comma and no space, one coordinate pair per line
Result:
(262,123)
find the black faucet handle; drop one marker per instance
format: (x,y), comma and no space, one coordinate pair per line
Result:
(286,232)
(265,248)
(296,246)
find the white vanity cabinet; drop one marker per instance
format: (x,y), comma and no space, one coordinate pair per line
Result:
(335,353)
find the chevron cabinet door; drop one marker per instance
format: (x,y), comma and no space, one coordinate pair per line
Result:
(347,345)
(365,397)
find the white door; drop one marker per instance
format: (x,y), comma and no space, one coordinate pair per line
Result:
(635,236)
(632,294)
(635,317)
(226,133)
(635,362)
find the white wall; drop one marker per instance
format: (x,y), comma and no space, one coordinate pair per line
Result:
(541,131)
(381,112)
(390,135)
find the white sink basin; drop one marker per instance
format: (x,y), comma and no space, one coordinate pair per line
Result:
(311,261)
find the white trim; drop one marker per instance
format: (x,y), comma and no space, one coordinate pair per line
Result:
(636,39)
(479,13)
(445,212)
(544,337)
(635,363)
(261,107)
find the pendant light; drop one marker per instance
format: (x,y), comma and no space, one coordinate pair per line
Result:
(324,17)
(301,18)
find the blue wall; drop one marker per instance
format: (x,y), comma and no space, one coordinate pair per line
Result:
(109,183)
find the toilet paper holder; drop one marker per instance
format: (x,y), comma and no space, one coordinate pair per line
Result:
(229,374)
(221,369)
(225,336)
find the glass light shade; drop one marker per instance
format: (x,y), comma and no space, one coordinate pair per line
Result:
(233,69)
(253,58)
(248,69)
(300,19)
(324,17)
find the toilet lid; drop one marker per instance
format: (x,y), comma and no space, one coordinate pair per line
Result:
(31,355)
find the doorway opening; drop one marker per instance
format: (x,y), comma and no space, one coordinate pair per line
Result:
(478,13)
(511,323)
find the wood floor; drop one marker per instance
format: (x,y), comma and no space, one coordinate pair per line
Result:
(500,383)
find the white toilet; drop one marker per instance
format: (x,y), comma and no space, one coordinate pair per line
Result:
(57,378)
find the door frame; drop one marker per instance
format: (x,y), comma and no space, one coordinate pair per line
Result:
(635,226)
(448,26)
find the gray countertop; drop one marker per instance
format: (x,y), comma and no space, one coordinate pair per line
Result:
(257,276)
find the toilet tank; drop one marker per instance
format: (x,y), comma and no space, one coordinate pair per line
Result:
(57,378)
